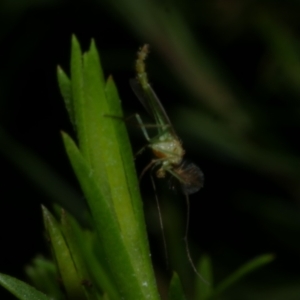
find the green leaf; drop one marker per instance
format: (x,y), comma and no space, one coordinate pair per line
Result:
(103,154)
(128,177)
(107,226)
(75,240)
(175,290)
(204,289)
(65,87)
(115,109)
(67,269)
(43,275)
(20,289)
(244,270)
(104,167)
(78,101)
(97,267)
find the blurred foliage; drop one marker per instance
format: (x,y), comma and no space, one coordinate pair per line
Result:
(228,74)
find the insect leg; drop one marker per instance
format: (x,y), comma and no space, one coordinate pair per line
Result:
(160,221)
(139,120)
(186,241)
(153,163)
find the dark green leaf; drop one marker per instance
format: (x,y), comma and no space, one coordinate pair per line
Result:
(175,290)
(244,270)
(204,289)
(43,275)
(44,177)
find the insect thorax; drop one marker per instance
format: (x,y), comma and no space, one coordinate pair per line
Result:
(168,150)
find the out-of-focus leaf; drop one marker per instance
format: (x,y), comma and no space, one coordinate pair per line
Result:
(43,275)
(204,289)
(44,177)
(175,290)
(20,289)
(244,270)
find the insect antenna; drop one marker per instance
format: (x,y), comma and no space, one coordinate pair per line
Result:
(186,240)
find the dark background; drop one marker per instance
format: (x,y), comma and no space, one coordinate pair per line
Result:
(228,74)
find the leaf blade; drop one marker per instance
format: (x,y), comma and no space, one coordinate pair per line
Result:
(20,289)
(244,270)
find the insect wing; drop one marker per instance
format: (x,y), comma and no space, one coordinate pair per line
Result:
(152,104)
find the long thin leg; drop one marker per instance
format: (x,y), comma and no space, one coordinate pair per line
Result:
(160,221)
(153,163)
(139,119)
(186,240)
(142,125)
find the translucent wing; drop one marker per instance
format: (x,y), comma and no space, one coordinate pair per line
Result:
(152,104)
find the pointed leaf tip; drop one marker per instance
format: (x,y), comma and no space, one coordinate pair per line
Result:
(176,290)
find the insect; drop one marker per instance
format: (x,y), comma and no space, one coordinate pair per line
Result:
(166,145)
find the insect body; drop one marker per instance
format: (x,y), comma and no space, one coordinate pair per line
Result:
(166,146)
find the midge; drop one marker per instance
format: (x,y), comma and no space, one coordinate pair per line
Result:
(166,146)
